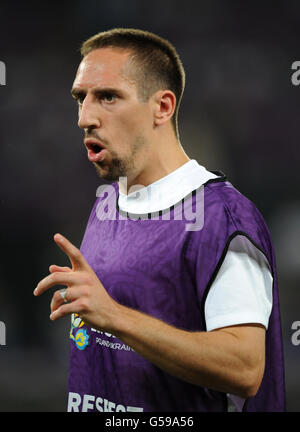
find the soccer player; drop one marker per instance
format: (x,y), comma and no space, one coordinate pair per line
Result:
(167,315)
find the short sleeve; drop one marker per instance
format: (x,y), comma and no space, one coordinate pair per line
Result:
(242,290)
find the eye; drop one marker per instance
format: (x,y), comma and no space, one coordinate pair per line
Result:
(109,97)
(79,98)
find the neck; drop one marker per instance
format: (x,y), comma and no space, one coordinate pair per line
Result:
(164,157)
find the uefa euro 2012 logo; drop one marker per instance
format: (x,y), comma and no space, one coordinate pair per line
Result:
(77,333)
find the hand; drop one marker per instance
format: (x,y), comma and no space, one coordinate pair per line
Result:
(85,293)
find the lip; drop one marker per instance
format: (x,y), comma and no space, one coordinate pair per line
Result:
(92,155)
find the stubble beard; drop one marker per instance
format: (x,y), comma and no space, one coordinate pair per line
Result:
(120,167)
(116,168)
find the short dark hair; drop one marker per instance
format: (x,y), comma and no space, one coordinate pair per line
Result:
(157,63)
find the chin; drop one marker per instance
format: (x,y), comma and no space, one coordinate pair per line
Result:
(108,173)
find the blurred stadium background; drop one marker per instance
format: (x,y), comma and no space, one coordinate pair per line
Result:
(240,114)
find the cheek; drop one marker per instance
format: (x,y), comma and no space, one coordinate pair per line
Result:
(130,125)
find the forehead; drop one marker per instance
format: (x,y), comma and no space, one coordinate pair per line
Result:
(102,67)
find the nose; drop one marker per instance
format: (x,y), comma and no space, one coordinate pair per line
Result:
(87,115)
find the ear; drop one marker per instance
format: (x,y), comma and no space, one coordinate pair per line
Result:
(164,106)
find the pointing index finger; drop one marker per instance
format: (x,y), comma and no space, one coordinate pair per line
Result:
(69,249)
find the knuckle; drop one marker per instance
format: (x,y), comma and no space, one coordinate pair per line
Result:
(57,296)
(83,305)
(85,291)
(53,278)
(85,279)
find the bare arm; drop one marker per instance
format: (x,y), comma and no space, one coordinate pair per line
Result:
(230,359)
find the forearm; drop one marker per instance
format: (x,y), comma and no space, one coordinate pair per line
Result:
(229,360)
(216,360)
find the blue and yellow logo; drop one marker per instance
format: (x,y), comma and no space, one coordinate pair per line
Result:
(81,336)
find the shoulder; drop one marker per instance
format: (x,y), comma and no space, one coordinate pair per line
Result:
(227,213)
(224,194)
(228,203)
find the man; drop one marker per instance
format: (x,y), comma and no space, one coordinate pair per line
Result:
(166,316)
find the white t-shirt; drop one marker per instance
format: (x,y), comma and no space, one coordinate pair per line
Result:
(242,290)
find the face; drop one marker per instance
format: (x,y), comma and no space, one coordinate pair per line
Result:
(116,124)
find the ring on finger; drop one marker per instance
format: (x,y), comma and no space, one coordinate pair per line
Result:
(63,293)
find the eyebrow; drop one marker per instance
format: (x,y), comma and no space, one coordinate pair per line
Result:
(98,91)
(76,92)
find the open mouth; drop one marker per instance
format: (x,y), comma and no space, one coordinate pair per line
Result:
(96,148)
(96,152)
